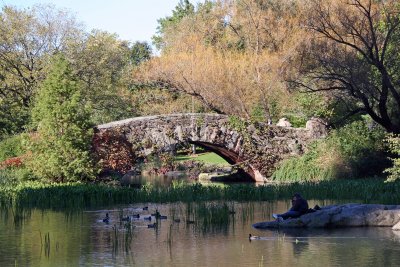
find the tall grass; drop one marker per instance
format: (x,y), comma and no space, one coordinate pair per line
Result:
(355,150)
(302,169)
(77,195)
(210,216)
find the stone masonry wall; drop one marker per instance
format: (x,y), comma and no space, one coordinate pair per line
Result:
(258,148)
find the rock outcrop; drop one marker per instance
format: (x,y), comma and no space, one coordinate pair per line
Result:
(396,227)
(283,122)
(348,215)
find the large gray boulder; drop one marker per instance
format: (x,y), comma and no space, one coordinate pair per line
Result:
(396,227)
(347,215)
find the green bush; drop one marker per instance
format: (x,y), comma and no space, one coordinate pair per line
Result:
(394,147)
(361,144)
(307,167)
(13,176)
(308,105)
(11,147)
(353,151)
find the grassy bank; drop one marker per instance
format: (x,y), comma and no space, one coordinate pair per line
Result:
(205,157)
(75,195)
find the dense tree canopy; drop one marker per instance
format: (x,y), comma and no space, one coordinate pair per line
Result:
(237,55)
(229,55)
(27,39)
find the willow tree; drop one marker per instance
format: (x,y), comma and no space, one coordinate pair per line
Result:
(60,147)
(228,56)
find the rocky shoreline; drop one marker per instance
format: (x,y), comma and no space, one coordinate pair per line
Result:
(347,215)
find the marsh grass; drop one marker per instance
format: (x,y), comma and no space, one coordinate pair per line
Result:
(77,196)
(212,216)
(46,244)
(121,236)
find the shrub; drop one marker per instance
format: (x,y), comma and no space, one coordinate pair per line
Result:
(394,147)
(355,150)
(11,147)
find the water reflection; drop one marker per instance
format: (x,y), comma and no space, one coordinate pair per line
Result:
(201,234)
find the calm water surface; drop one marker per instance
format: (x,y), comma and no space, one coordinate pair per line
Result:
(83,239)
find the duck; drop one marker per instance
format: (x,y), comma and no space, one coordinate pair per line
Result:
(189,222)
(125,219)
(162,217)
(157,214)
(153,225)
(253,237)
(145,208)
(136,216)
(147,218)
(106,219)
(177,220)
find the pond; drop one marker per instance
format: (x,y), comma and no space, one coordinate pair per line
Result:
(197,234)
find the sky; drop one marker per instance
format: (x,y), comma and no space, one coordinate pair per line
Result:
(132,20)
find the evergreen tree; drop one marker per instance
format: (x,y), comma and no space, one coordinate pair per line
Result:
(183,9)
(140,52)
(61,146)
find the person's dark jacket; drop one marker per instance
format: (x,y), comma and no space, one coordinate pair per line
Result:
(300,205)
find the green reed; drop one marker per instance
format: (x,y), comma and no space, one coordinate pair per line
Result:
(46,244)
(78,195)
(210,216)
(122,236)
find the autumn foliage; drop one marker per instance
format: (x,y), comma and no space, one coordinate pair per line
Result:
(113,152)
(14,162)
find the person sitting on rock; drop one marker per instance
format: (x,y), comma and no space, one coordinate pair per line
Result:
(299,207)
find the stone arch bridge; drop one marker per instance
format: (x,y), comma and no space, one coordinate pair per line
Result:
(256,148)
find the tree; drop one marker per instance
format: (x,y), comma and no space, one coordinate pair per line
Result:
(226,83)
(183,9)
(60,148)
(228,56)
(140,52)
(354,57)
(27,39)
(99,62)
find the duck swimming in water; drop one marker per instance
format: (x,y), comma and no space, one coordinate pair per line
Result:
(106,219)
(136,216)
(125,219)
(154,225)
(157,214)
(253,237)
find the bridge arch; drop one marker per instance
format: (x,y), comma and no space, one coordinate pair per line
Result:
(258,148)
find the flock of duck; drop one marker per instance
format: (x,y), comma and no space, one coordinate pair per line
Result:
(156,215)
